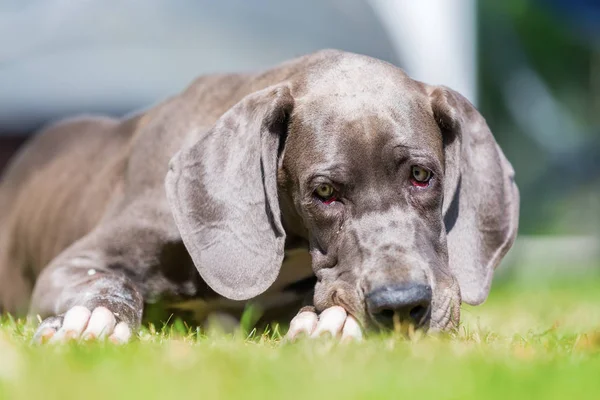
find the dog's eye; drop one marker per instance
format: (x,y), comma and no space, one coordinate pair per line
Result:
(420,176)
(325,192)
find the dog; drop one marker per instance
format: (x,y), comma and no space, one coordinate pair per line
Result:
(333,182)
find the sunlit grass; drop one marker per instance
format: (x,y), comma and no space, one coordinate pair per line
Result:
(527,341)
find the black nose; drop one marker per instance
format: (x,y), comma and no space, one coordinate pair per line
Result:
(410,303)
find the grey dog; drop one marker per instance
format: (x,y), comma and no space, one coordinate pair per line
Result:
(333,183)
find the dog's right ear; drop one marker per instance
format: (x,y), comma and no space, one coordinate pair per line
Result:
(223,195)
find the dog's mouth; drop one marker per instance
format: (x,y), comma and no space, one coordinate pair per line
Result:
(388,320)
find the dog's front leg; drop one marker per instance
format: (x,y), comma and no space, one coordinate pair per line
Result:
(92,302)
(95,288)
(333,321)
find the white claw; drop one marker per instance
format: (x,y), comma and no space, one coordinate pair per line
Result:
(331,321)
(303,323)
(74,322)
(101,324)
(334,322)
(351,330)
(79,322)
(121,333)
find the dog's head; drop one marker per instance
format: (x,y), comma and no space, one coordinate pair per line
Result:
(400,189)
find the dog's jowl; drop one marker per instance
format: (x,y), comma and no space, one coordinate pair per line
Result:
(333,185)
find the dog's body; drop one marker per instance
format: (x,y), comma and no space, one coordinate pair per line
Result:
(86,221)
(73,174)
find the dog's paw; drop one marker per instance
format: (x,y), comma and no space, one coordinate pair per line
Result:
(81,323)
(334,322)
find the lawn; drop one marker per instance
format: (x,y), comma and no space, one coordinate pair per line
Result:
(529,341)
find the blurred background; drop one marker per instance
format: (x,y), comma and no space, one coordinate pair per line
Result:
(531,66)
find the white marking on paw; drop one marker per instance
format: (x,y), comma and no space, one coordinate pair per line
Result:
(101,324)
(74,323)
(303,324)
(334,322)
(331,321)
(352,330)
(79,322)
(121,333)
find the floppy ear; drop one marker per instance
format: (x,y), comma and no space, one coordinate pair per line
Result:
(223,195)
(481,199)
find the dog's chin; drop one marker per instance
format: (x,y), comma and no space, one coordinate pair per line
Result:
(399,326)
(445,311)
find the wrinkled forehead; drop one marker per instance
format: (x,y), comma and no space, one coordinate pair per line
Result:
(361,127)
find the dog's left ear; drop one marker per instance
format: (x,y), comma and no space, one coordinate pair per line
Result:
(223,195)
(481,199)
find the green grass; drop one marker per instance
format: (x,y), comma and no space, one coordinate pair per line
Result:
(527,341)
